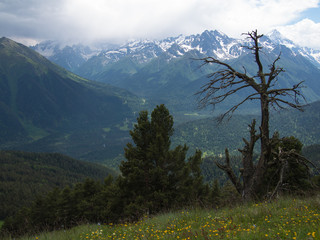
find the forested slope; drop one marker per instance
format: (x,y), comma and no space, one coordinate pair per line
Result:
(212,138)
(24,175)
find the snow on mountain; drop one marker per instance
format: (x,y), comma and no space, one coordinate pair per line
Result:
(312,55)
(277,38)
(69,57)
(53,48)
(47,48)
(208,43)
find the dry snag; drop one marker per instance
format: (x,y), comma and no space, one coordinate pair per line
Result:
(226,82)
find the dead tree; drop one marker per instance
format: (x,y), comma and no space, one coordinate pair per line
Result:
(226,82)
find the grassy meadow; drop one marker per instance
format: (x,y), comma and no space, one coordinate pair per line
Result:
(287,218)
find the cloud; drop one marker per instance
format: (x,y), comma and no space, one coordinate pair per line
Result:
(304,33)
(114,20)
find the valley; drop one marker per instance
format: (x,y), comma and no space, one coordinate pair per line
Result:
(94,124)
(50,114)
(159,119)
(169,71)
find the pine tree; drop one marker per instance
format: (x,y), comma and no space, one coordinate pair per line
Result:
(215,194)
(288,170)
(155,177)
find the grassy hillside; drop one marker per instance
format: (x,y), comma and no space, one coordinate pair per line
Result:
(23,176)
(287,218)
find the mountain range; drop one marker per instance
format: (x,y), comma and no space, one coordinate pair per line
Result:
(209,43)
(168,70)
(46,108)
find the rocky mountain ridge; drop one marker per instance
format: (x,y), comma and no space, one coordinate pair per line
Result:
(208,43)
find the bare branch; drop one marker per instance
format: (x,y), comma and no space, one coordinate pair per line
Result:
(228,170)
(274,71)
(293,105)
(235,107)
(284,158)
(255,48)
(286,91)
(284,165)
(210,91)
(231,72)
(249,146)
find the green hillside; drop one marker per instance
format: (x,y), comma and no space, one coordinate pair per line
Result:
(44,95)
(45,108)
(24,175)
(287,218)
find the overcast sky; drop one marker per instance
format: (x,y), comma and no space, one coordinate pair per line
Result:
(29,21)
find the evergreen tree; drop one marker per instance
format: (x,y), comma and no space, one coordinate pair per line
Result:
(155,177)
(288,170)
(215,194)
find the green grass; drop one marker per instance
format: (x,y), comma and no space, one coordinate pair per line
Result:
(106,129)
(287,218)
(34,132)
(125,126)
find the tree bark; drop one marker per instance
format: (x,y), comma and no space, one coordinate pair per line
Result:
(247,162)
(228,169)
(265,152)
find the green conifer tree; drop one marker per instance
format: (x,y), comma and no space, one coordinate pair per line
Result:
(155,177)
(288,171)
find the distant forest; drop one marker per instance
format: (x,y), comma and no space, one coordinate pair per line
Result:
(24,176)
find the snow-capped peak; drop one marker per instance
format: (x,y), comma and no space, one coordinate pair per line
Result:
(312,55)
(275,35)
(209,43)
(277,38)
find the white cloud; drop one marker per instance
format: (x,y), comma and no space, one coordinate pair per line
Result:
(304,33)
(84,20)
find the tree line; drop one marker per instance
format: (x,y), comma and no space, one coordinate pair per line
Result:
(154,178)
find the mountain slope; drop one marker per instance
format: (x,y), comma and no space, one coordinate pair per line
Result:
(43,93)
(310,54)
(24,175)
(40,100)
(213,138)
(69,57)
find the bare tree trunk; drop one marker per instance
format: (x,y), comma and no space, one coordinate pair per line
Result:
(265,146)
(247,162)
(228,169)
